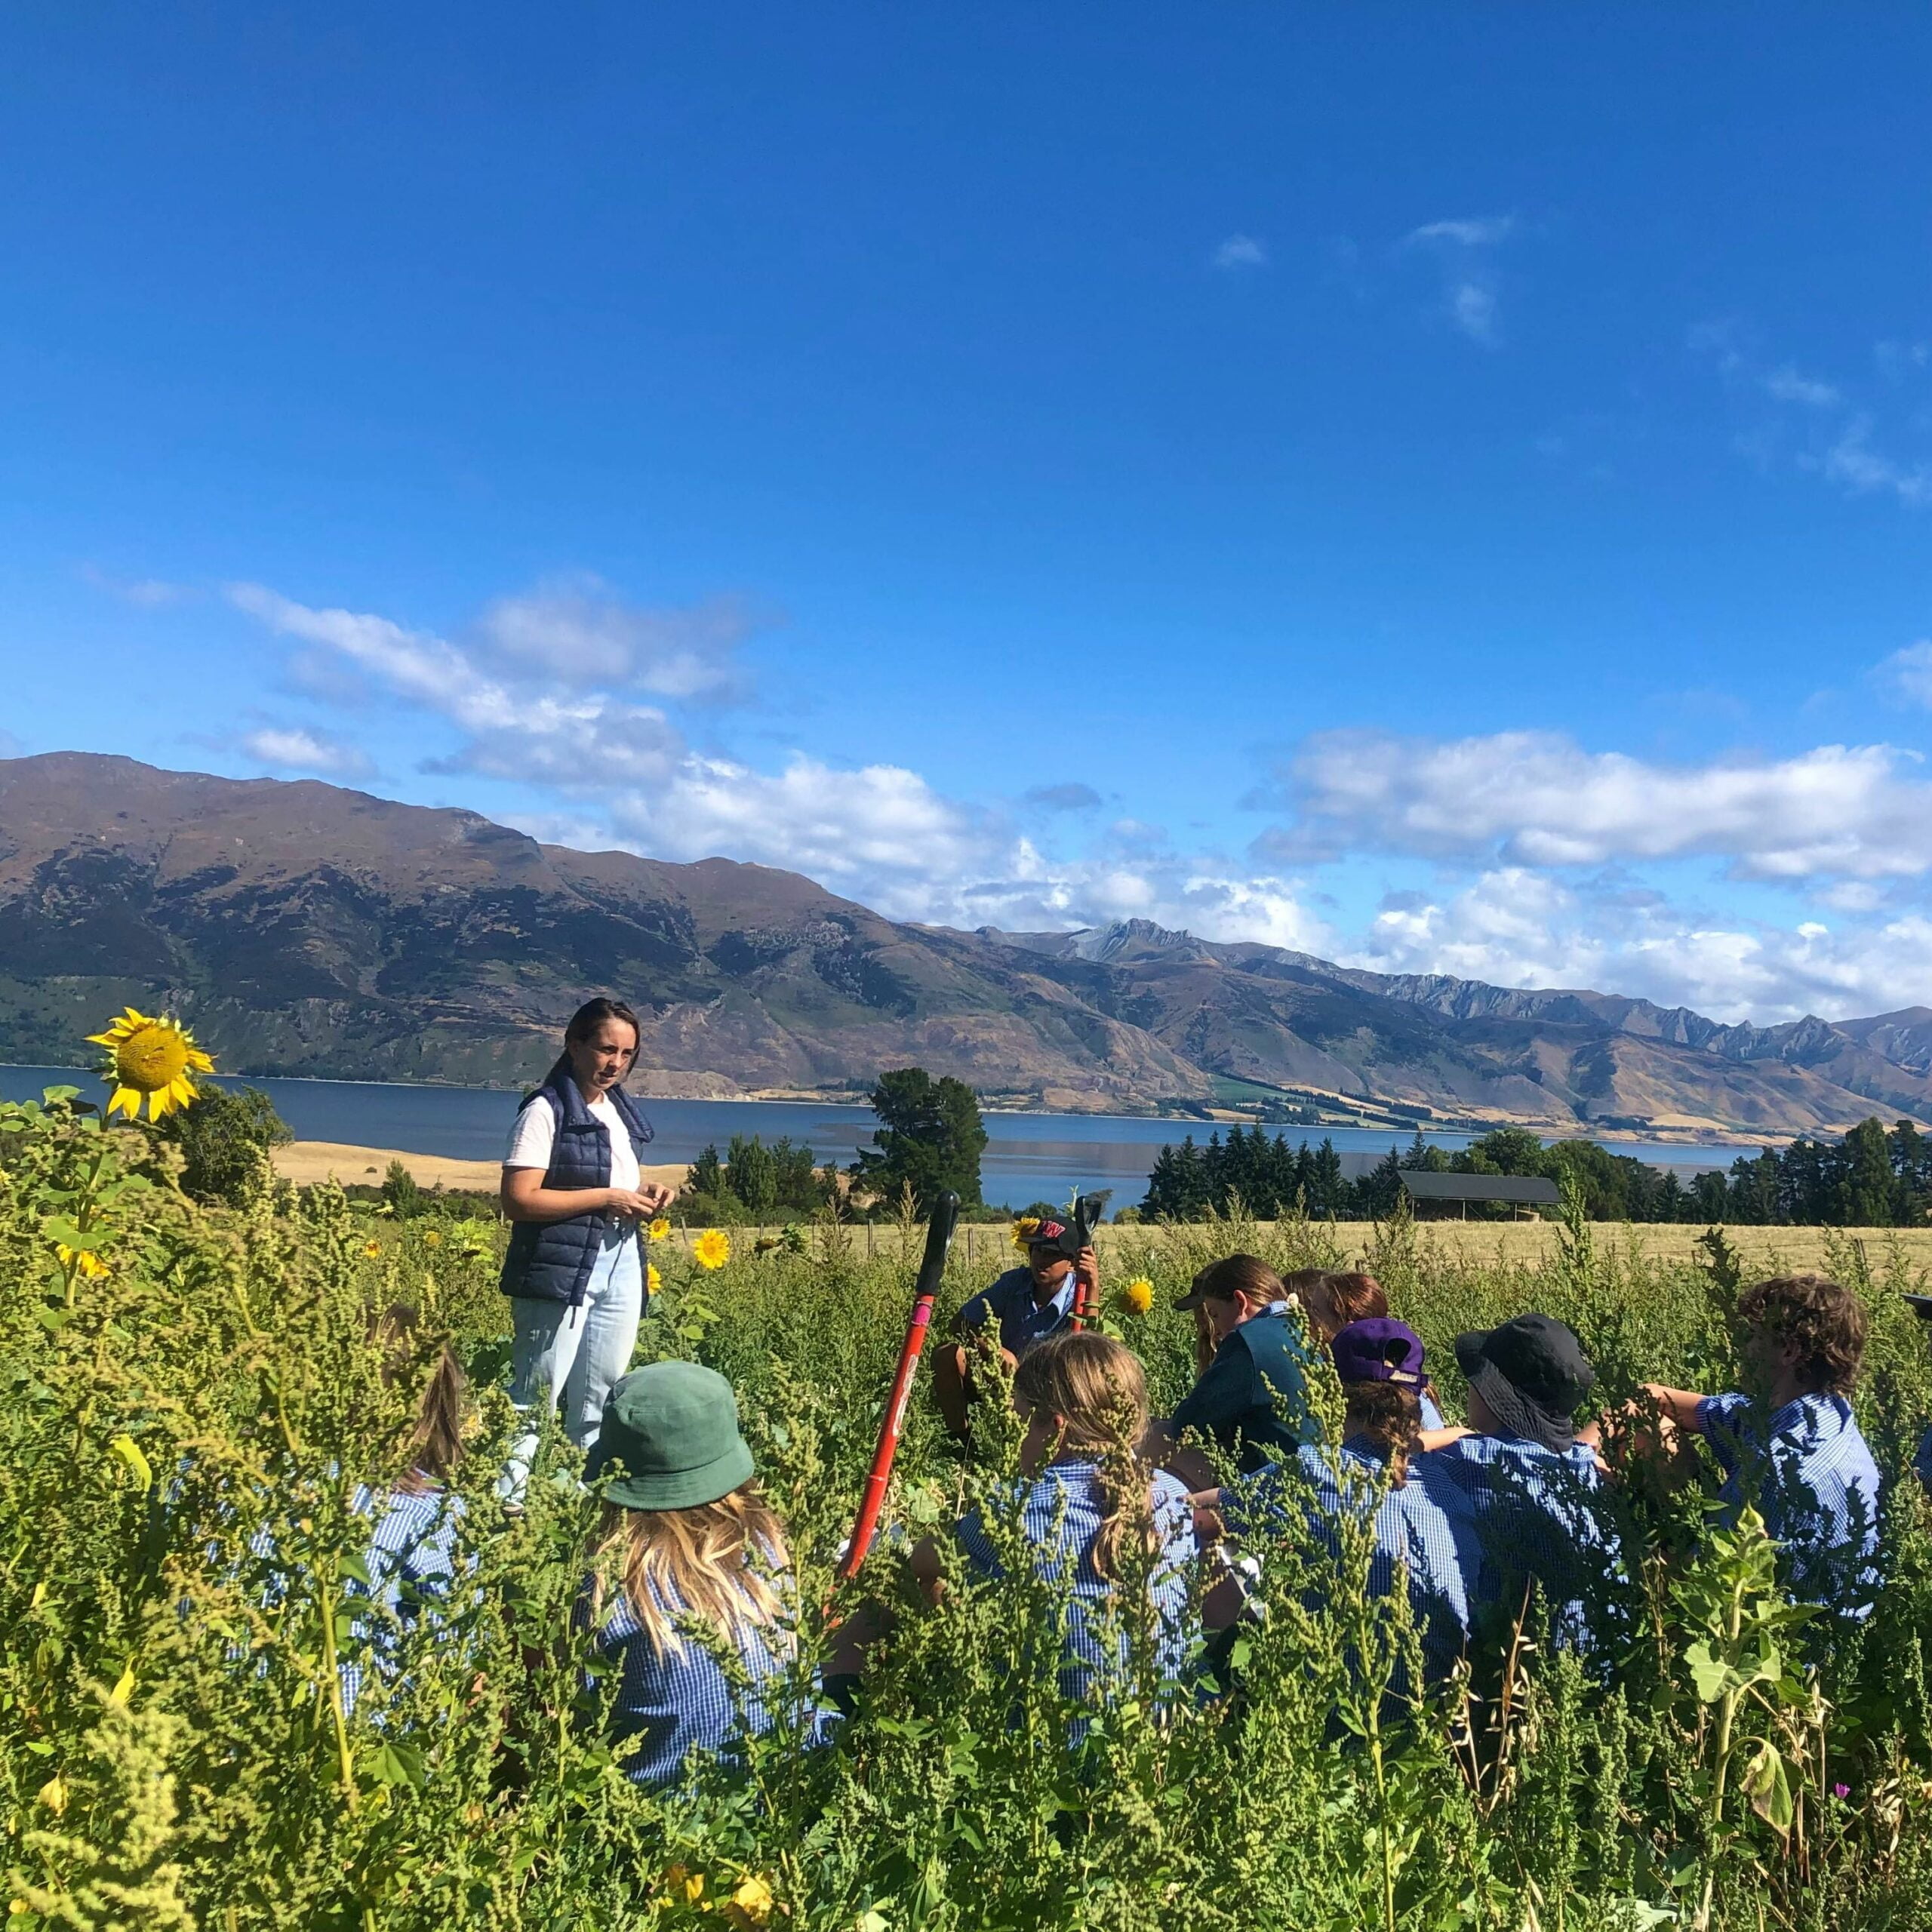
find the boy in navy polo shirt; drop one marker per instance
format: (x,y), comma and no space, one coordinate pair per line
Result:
(1029,1303)
(1796,1451)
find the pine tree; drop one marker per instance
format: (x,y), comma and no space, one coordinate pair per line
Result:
(930,1138)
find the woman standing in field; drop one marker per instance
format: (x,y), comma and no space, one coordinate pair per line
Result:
(573,1188)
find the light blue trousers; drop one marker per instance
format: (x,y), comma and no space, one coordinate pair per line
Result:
(575,1355)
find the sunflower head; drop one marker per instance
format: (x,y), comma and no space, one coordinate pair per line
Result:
(1024,1229)
(660,1228)
(712,1248)
(657,1279)
(373,1249)
(1139,1294)
(431,1238)
(152,1059)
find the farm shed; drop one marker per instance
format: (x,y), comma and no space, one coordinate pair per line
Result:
(1440,1192)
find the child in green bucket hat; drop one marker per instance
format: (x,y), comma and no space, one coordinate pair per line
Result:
(686,1537)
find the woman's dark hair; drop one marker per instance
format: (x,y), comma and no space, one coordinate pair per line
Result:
(592,1013)
(1390,1415)
(1824,1325)
(435,1444)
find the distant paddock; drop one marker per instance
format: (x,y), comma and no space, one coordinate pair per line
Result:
(1760,1249)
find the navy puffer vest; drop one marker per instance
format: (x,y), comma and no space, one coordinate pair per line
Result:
(552,1260)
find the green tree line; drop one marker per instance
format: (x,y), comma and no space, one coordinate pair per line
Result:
(1873,1177)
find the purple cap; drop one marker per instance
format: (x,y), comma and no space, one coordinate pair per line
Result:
(1380,1349)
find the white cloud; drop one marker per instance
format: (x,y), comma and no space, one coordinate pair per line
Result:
(1527,811)
(1852,461)
(1461,247)
(1514,927)
(1482,231)
(148,593)
(297,748)
(1241,251)
(1538,799)
(1786,385)
(578,634)
(1909,671)
(1472,309)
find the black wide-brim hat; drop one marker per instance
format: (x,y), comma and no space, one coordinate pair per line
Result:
(1535,1354)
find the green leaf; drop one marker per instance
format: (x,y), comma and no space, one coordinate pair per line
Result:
(1711,1675)
(352,1564)
(1768,1783)
(397,1763)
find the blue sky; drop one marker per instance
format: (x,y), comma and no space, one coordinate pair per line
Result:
(1448,488)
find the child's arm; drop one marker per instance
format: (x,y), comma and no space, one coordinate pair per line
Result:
(1440,1439)
(1677,1406)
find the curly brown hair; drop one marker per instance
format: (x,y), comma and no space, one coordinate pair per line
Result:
(1823,1322)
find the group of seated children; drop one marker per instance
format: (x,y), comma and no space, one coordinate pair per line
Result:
(1465,1519)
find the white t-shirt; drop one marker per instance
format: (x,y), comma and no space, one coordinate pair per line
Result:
(535,1133)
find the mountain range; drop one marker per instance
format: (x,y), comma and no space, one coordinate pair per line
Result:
(306,929)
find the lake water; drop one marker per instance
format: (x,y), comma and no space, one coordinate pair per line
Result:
(1029,1157)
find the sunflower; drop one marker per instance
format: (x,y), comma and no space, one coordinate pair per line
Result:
(712,1248)
(1024,1229)
(660,1228)
(657,1281)
(372,1249)
(431,1238)
(91,1266)
(1139,1294)
(153,1057)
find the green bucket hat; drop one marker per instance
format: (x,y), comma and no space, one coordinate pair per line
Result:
(674,1428)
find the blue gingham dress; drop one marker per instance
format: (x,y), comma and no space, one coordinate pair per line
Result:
(411,1559)
(1062,1514)
(674,1704)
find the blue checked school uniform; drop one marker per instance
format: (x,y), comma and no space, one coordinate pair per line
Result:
(1425,1531)
(674,1704)
(1023,1321)
(1061,1514)
(1538,1518)
(1812,1478)
(411,1559)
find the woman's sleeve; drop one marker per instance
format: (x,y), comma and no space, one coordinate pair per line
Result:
(532,1137)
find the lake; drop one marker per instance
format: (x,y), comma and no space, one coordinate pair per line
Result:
(1029,1157)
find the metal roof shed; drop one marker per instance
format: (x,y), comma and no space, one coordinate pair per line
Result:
(1516,1190)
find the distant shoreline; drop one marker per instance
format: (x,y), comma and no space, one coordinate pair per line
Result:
(1217,1118)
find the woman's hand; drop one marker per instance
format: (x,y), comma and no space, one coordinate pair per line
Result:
(636,1204)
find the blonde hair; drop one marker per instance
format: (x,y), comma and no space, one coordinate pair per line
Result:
(435,1443)
(1095,1387)
(713,1561)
